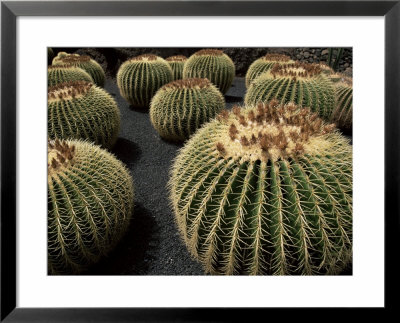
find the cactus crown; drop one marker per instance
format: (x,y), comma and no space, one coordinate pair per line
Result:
(73,59)
(176,58)
(144,57)
(60,154)
(296,70)
(210,52)
(276,58)
(272,131)
(68,90)
(190,83)
(63,66)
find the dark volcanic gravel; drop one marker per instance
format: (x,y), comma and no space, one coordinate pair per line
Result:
(152,245)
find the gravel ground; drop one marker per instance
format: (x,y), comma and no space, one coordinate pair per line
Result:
(152,245)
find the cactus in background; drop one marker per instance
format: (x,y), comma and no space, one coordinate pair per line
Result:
(81,110)
(61,55)
(264,64)
(87,64)
(179,108)
(212,64)
(66,73)
(139,78)
(90,203)
(177,62)
(343,113)
(303,84)
(265,190)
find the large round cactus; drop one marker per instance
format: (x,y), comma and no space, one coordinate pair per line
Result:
(266,190)
(90,203)
(140,77)
(212,64)
(81,110)
(66,73)
(264,64)
(343,113)
(177,62)
(87,64)
(303,84)
(179,108)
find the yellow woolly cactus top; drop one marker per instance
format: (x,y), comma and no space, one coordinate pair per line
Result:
(68,90)
(189,83)
(209,52)
(145,58)
(276,58)
(296,70)
(60,155)
(176,58)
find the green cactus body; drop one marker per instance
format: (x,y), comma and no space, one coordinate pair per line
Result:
(212,64)
(90,203)
(177,62)
(264,64)
(265,190)
(303,84)
(81,110)
(343,113)
(66,73)
(140,77)
(87,64)
(326,69)
(179,108)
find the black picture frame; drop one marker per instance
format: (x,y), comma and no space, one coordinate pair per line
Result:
(10,10)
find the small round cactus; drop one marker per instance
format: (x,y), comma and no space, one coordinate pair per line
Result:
(177,62)
(179,108)
(303,84)
(212,64)
(265,190)
(264,64)
(81,110)
(59,56)
(90,203)
(66,73)
(87,64)
(140,77)
(343,113)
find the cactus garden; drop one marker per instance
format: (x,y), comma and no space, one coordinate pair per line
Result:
(199,161)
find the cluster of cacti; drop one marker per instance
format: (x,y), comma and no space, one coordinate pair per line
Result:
(343,113)
(90,203)
(303,84)
(139,78)
(177,62)
(179,108)
(266,190)
(264,64)
(66,73)
(86,63)
(212,64)
(81,110)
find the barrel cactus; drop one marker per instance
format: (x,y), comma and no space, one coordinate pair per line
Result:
(303,84)
(176,62)
(140,77)
(66,73)
(264,64)
(87,64)
(179,108)
(59,56)
(81,110)
(265,190)
(90,203)
(343,113)
(212,64)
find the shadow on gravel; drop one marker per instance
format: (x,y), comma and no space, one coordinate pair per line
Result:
(140,110)
(127,151)
(232,99)
(134,253)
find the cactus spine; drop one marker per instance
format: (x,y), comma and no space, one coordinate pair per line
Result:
(177,62)
(87,64)
(212,64)
(264,64)
(343,113)
(81,110)
(66,73)
(179,108)
(303,84)
(140,77)
(265,190)
(90,203)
